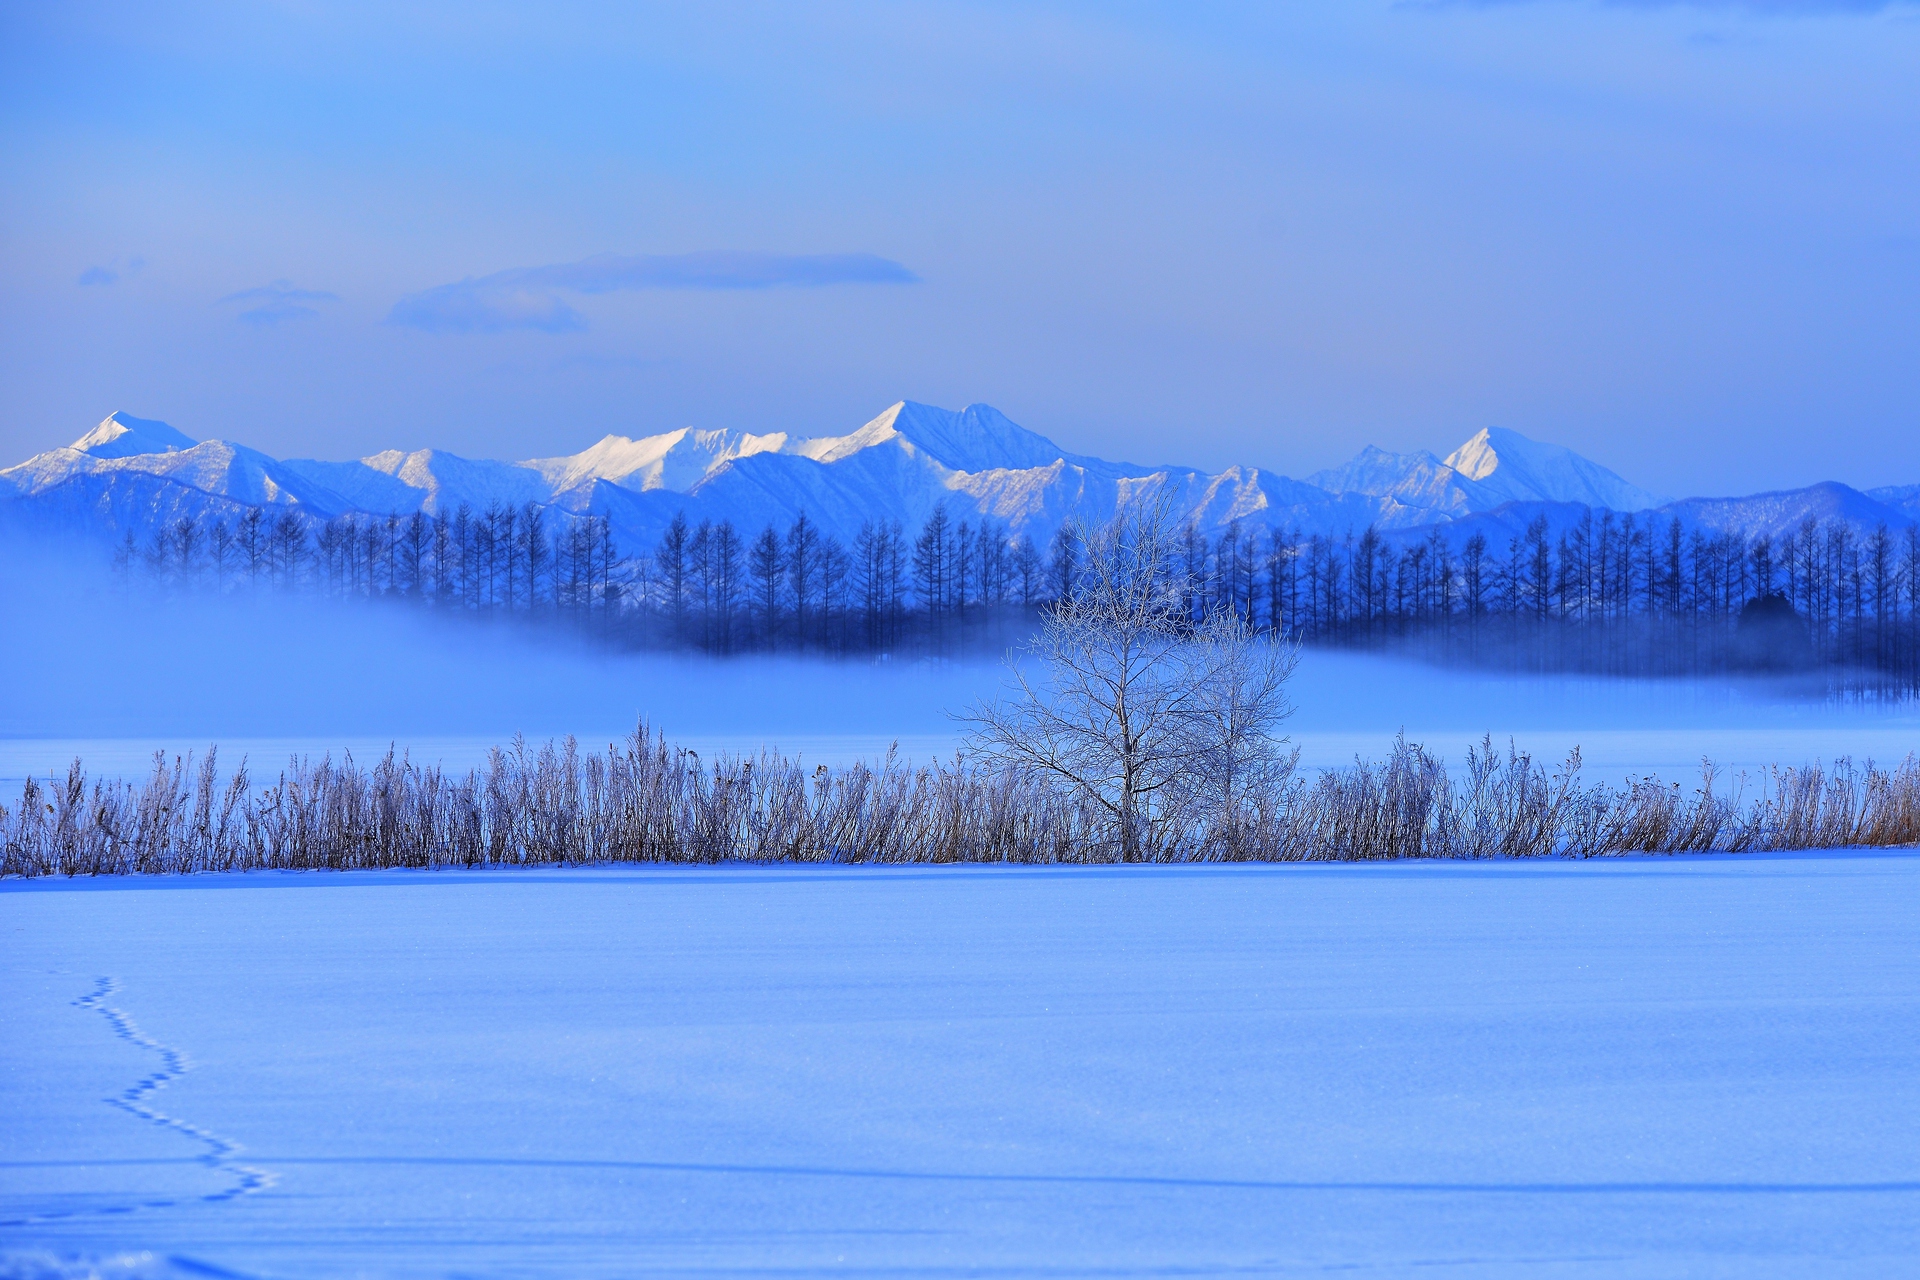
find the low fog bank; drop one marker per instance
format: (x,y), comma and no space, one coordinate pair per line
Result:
(286,668)
(1350,704)
(112,677)
(94,666)
(1341,689)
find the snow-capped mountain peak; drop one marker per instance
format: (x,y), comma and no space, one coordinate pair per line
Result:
(975,439)
(1416,479)
(1512,468)
(133,475)
(121,435)
(1495,467)
(1478,458)
(673,460)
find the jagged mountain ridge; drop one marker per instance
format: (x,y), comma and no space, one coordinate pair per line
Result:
(1777,515)
(130,473)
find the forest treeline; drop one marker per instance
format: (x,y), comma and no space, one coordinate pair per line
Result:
(1611,593)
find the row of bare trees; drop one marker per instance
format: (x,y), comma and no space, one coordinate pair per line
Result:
(710,586)
(503,559)
(953,583)
(1609,593)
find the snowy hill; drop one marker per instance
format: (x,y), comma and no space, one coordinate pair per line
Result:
(1779,514)
(1776,515)
(1904,498)
(133,474)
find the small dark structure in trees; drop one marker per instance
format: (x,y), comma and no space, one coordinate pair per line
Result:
(1772,636)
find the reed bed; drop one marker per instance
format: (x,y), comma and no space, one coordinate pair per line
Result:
(645,801)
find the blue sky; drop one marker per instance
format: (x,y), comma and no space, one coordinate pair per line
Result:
(1681,238)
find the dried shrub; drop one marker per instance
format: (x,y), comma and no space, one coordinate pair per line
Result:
(647,801)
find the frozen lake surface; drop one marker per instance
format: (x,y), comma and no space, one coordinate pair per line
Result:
(1645,1067)
(453,712)
(1609,755)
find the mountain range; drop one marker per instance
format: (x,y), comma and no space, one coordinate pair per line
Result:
(132,474)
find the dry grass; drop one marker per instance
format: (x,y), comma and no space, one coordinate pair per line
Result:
(645,801)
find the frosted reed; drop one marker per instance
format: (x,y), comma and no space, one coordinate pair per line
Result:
(646,801)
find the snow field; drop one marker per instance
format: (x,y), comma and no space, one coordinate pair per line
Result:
(1649,1067)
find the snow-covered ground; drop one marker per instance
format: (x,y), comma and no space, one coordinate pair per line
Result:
(1648,1067)
(1657,1067)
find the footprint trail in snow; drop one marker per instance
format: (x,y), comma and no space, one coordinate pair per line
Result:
(220,1153)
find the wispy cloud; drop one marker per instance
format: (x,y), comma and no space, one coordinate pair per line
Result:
(109,273)
(278,301)
(529,297)
(488,305)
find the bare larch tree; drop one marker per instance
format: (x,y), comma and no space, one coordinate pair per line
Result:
(1124,701)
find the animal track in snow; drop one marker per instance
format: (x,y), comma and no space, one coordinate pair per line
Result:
(220,1153)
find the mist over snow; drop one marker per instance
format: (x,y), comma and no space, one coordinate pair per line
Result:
(94,663)
(1352,704)
(111,676)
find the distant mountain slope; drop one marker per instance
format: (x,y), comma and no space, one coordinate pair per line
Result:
(1904,498)
(1508,467)
(1778,514)
(132,474)
(106,458)
(1418,481)
(1494,468)
(430,480)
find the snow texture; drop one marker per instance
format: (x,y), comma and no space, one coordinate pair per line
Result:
(1645,1067)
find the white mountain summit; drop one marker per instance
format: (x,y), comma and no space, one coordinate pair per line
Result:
(1494,468)
(131,474)
(1508,467)
(121,435)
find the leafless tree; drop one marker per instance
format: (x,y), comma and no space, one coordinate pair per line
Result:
(1234,759)
(1130,708)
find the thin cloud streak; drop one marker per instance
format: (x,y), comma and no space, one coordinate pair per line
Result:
(111,272)
(279,302)
(527,297)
